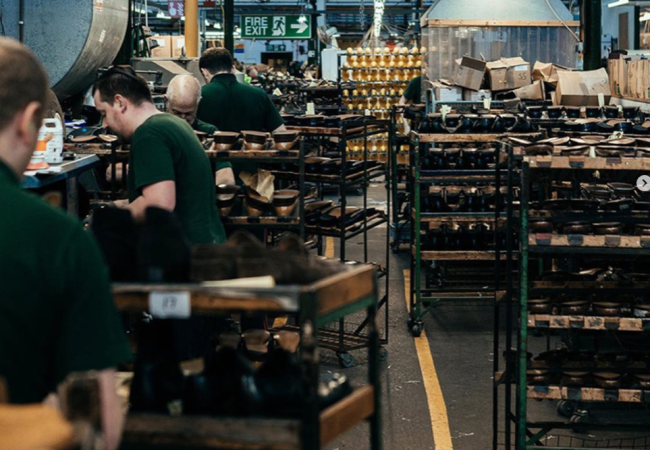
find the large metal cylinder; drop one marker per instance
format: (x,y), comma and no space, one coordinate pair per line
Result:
(72,38)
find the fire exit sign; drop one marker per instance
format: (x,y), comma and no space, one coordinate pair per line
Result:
(275,27)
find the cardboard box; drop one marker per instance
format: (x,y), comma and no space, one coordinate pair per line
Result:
(469,73)
(476,96)
(446,92)
(496,75)
(517,72)
(508,73)
(582,88)
(178,44)
(546,72)
(533,91)
(164,49)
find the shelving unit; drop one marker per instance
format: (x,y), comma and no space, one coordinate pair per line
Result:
(422,300)
(296,222)
(314,306)
(579,331)
(348,337)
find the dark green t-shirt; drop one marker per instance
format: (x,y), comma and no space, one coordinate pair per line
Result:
(165,148)
(233,106)
(414,90)
(203,127)
(57,313)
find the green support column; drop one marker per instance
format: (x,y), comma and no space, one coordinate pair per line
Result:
(229,25)
(591,31)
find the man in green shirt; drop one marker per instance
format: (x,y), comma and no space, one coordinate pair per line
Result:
(57,314)
(168,167)
(413,92)
(230,105)
(183,97)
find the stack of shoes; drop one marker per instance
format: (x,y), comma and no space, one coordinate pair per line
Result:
(243,256)
(156,252)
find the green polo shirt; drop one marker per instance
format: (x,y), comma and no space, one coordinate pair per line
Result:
(165,148)
(203,127)
(233,106)
(414,90)
(57,314)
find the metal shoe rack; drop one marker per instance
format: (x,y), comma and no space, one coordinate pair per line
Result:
(463,264)
(348,336)
(272,158)
(606,348)
(314,306)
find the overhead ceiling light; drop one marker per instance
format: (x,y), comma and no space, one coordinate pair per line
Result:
(207,23)
(302,18)
(645,17)
(161,15)
(183,18)
(618,3)
(217,25)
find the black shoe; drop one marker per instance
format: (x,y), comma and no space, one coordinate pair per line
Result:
(163,251)
(117,235)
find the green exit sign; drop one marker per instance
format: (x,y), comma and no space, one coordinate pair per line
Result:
(275,27)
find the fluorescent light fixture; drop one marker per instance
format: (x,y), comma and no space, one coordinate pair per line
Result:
(645,17)
(618,3)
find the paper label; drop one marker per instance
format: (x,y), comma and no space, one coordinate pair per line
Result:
(601,99)
(170,305)
(521,68)
(311,110)
(486,103)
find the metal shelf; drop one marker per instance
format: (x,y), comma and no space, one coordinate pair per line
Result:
(594,323)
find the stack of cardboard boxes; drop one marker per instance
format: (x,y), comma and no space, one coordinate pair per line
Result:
(476,80)
(167,46)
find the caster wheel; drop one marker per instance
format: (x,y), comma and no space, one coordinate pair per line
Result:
(409,322)
(346,360)
(383,354)
(566,408)
(416,330)
(578,418)
(394,248)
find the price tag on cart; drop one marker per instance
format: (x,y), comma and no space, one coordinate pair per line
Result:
(170,305)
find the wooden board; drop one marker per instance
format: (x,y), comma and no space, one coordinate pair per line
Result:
(598,323)
(248,154)
(340,290)
(588,394)
(462,255)
(587,163)
(588,241)
(470,137)
(311,229)
(435,23)
(347,413)
(212,432)
(333,131)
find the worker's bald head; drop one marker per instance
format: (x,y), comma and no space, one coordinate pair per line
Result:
(183,96)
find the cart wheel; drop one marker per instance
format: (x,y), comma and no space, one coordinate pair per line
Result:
(416,330)
(383,354)
(394,246)
(346,360)
(578,417)
(565,408)
(409,322)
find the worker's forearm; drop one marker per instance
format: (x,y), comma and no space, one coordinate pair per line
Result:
(137,208)
(112,413)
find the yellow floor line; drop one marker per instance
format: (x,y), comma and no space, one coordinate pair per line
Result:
(329,247)
(435,399)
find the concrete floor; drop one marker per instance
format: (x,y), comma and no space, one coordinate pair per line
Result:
(459,338)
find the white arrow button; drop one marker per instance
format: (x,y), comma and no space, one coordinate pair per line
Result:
(643,183)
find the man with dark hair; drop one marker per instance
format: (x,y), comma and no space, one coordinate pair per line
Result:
(57,314)
(230,105)
(168,167)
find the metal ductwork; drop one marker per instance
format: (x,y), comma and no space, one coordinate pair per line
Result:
(502,10)
(72,38)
